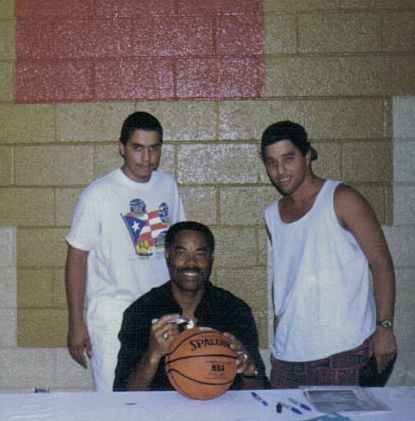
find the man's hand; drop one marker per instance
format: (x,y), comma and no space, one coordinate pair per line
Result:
(383,347)
(79,343)
(162,333)
(242,358)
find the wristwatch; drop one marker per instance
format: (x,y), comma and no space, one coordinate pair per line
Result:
(251,376)
(387,324)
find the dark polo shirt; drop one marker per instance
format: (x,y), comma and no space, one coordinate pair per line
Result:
(218,309)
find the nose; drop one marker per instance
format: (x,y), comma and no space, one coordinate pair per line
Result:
(146,155)
(278,169)
(192,259)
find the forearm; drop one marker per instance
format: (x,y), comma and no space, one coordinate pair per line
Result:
(75,283)
(142,376)
(384,291)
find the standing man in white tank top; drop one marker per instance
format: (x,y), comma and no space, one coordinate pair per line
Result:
(333,278)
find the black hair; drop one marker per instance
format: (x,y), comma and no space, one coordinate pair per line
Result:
(189,226)
(287,130)
(140,120)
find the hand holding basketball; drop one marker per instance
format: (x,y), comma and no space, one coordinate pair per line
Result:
(242,358)
(162,333)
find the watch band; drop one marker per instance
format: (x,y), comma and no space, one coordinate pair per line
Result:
(251,376)
(386,323)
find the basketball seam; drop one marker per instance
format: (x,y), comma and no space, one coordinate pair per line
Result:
(173,370)
(199,355)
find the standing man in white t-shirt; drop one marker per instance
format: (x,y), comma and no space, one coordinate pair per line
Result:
(327,247)
(116,245)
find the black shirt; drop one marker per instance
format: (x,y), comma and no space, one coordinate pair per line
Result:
(218,309)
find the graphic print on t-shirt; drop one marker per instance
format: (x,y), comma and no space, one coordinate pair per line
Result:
(147,228)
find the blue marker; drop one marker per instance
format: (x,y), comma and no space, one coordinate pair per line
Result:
(258,398)
(303,405)
(293,408)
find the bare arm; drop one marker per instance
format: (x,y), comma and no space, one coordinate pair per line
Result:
(75,282)
(357,216)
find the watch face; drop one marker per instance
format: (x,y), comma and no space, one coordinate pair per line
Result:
(387,324)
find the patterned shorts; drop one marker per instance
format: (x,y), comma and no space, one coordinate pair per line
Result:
(343,368)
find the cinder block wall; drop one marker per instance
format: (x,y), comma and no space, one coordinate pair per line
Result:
(333,66)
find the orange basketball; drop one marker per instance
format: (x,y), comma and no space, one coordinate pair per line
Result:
(201,363)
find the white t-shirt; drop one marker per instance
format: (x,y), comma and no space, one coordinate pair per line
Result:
(122,224)
(322,289)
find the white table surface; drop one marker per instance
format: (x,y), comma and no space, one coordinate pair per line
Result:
(165,406)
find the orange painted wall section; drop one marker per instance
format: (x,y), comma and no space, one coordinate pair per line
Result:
(87,51)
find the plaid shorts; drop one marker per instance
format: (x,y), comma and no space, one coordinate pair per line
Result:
(343,368)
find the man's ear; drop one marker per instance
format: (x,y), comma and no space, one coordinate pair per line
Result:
(121,149)
(308,157)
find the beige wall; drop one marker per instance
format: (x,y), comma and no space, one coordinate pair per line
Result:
(334,66)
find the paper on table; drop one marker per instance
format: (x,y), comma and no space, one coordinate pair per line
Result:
(342,398)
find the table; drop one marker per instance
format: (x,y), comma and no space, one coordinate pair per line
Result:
(165,406)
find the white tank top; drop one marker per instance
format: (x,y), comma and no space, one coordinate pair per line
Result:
(322,289)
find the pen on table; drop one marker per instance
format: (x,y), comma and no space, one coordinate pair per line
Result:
(258,398)
(303,405)
(292,408)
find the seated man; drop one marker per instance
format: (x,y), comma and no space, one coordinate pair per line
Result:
(148,328)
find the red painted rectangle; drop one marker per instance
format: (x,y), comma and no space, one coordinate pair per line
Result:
(77,50)
(75,39)
(132,79)
(239,34)
(112,37)
(183,36)
(220,78)
(213,7)
(54,82)
(35,39)
(54,8)
(129,8)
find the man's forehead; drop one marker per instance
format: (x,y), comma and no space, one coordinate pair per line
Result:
(187,236)
(282,147)
(145,137)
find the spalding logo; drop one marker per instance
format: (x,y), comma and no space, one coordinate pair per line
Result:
(201,343)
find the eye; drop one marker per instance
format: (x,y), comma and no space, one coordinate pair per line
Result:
(203,255)
(179,253)
(156,148)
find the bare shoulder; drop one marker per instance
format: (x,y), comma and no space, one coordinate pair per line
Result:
(350,205)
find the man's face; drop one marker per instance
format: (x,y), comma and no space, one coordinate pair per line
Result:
(286,166)
(189,261)
(141,155)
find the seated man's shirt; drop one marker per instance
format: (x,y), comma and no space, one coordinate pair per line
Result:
(218,309)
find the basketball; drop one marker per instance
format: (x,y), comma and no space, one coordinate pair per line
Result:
(201,363)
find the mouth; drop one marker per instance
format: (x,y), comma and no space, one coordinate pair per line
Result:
(190,272)
(284,180)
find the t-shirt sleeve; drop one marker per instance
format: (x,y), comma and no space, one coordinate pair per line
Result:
(85,224)
(179,213)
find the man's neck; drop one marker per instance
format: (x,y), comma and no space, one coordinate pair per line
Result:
(187,300)
(294,206)
(308,189)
